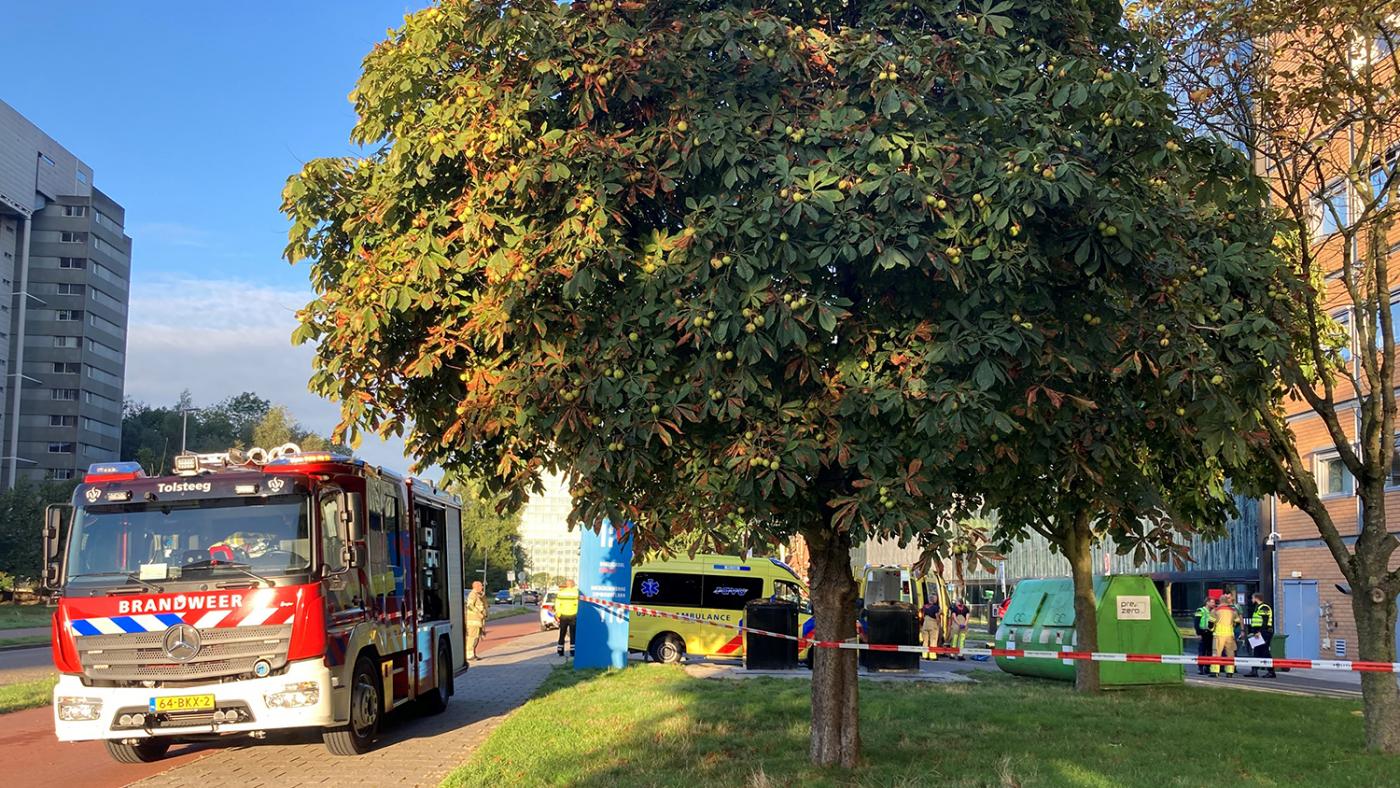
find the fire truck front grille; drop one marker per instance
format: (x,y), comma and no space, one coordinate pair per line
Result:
(139,656)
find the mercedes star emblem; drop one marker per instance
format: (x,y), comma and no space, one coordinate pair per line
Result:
(181,642)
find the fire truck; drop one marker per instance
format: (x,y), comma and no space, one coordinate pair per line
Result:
(248,592)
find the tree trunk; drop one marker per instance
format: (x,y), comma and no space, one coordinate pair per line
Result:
(835,697)
(1374,610)
(1079,545)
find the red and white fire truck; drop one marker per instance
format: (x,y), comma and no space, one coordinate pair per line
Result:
(250,592)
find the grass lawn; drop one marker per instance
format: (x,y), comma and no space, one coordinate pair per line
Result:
(30,640)
(654,726)
(506,612)
(26,694)
(13,616)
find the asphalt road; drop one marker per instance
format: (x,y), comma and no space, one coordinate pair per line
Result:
(22,664)
(27,738)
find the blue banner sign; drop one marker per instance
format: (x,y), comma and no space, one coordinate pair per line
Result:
(604,572)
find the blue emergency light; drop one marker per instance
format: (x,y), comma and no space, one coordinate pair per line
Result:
(113,471)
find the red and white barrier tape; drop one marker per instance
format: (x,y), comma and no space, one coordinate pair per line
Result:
(1025,653)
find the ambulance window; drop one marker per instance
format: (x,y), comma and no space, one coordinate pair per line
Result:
(784,591)
(670,589)
(723,592)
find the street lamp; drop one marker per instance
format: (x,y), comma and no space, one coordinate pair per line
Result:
(184,425)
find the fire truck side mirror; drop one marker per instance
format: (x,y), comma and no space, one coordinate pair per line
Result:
(54,516)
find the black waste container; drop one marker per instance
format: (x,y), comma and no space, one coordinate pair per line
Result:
(890,624)
(769,653)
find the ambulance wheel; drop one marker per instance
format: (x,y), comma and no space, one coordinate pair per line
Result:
(143,751)
(435,702)
(667,648)
(357,736)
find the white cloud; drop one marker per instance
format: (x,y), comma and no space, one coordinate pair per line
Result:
(222,337)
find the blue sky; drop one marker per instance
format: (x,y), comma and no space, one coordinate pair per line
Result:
(192,115)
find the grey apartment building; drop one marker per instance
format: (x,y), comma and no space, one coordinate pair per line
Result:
(65,270)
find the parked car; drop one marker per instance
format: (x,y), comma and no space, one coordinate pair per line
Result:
(503,596)
(530,597)
(547,619)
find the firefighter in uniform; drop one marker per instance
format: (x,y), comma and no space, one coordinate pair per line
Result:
(476,618)
(1203,632)
(566,609)
(1261,623)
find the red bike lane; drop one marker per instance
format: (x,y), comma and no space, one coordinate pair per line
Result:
(37,759)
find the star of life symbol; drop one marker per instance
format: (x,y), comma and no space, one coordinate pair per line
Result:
(92,494)
(650,587)
(275,485)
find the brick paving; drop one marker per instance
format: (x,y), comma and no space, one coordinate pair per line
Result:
(412,750)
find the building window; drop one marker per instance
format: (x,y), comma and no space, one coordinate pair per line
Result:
(101,428)
(66,367)
(66,237)
(68,315)
(103,350)
(82,177)
(61,474)
(56,420)
(75,210)
(64,395)
(108,301)
(69,288)
(103,272)
(1329,208)
(1332,476)
(103,246)
(104,219)
(1343,319)
(66,341)
(72,262)
(104,324)
(61,448)
(101,401)
(102,376)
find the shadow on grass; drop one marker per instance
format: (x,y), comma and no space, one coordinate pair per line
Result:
(654,726)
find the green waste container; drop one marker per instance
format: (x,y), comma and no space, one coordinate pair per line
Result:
(1132,618)
(1279,648)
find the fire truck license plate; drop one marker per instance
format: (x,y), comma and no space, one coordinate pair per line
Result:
(183,703)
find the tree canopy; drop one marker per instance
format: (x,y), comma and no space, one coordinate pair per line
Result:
(804,267)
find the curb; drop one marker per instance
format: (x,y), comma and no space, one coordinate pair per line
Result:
(22,648)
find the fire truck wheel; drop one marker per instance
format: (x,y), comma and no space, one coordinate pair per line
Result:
(357,736)
(143,751)
(435,702)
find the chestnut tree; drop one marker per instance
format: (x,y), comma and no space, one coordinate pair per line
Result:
(790,267)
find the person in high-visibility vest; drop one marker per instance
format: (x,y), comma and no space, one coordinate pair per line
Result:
(1207,640)
(1261,624)
(1225,624)
(566,610)
(960,612)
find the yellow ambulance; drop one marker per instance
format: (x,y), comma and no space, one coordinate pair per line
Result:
(710,588)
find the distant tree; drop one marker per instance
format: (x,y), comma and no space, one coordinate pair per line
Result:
(21,518)
(151,435)
(488,536)
(275,428)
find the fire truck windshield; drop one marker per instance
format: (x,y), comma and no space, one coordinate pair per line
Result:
(190,539)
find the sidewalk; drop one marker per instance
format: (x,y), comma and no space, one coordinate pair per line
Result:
(412,750)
